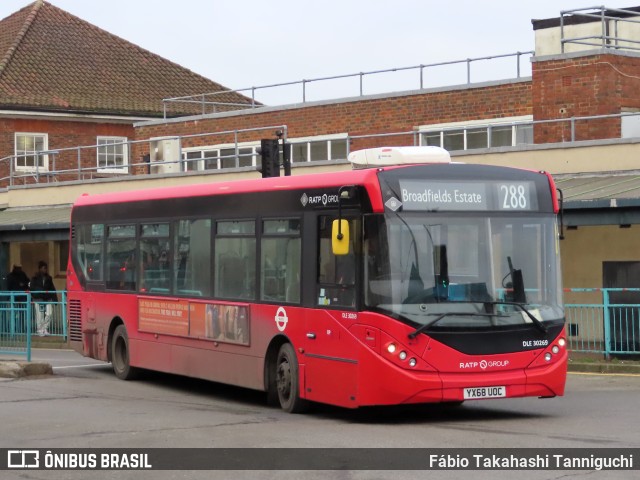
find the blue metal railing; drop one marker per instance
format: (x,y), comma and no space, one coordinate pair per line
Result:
(599,325)
(23,317)
(15,324)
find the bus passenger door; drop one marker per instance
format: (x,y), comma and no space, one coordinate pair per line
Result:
(331,360)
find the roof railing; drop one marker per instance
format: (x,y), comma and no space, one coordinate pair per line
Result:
(207,100)
(609,36)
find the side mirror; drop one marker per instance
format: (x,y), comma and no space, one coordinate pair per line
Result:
(340,237)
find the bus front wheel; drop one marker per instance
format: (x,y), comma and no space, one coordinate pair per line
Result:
(120,355)
(287,381)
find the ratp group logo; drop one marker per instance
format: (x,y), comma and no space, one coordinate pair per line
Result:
(23,459)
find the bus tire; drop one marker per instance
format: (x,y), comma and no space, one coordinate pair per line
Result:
(120,355)
(288,381)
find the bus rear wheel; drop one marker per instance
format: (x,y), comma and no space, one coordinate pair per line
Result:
(120,355)
(287,381)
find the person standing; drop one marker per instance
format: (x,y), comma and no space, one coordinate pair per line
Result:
(18,281)
(43,293)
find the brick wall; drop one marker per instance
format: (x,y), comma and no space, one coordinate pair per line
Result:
(361,117)
(583,86)
(61,134)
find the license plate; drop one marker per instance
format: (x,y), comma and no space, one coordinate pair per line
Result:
(476,393)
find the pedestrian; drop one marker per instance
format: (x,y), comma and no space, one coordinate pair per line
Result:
(43,292)
(17,281)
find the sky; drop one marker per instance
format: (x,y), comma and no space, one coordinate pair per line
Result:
(245,43)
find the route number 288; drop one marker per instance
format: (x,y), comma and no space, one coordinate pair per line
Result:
(514,196)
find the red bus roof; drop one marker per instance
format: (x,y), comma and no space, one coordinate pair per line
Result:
(367,178)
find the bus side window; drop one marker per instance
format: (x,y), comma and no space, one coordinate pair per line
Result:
(235,260)
(121,257)
(280,260)
(192,253)
(88,250)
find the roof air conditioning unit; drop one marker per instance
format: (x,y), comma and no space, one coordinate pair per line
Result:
(165,155)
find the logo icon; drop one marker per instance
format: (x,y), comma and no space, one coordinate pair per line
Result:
(393,204)
(304,199)
(483,364)
(281,319)
(23,459)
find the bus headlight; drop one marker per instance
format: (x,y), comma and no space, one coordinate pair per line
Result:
(555,349)
(547,356)
(413,362)
(402,355)
(562,342)
(391,348)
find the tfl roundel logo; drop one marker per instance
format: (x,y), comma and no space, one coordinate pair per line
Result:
(281,319)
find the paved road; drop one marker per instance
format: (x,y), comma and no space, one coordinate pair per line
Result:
(84,405)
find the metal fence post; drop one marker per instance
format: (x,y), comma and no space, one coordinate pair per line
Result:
(607,325)
(573,129)
(64,314)
(28,325)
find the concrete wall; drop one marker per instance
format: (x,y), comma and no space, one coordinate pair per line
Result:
(547,40)
(583,251)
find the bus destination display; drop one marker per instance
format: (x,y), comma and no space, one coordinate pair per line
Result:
(464,196)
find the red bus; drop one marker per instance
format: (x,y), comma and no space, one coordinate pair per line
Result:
(416,280)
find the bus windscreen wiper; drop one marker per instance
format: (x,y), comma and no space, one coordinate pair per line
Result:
(541,326)
(430,324)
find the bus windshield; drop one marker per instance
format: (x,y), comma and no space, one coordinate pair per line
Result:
(463,270)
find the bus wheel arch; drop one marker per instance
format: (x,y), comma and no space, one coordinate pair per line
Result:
(119,352)
(282,376)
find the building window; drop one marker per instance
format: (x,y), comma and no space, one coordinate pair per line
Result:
(479,134)
(28,148)
(318,149)
(112,154)
(301,150)
(219,158)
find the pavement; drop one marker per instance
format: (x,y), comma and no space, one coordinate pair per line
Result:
(578,362)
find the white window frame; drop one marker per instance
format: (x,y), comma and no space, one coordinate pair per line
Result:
(441,128)
(124,168)
(45,158)
(315,139)
(256,145)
